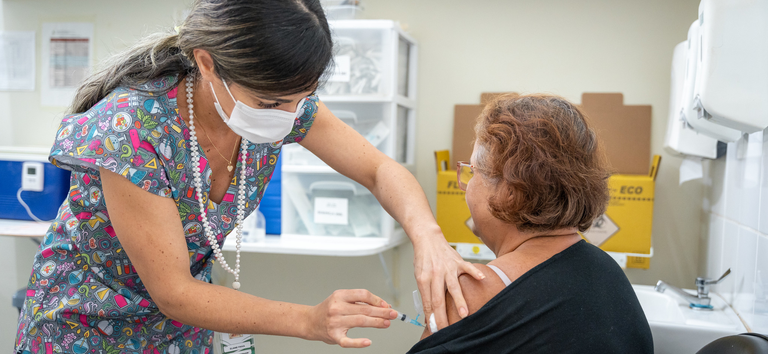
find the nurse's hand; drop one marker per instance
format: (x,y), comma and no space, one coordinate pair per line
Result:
(347,309)
(437,267)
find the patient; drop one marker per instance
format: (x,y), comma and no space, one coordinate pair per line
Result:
(536,177)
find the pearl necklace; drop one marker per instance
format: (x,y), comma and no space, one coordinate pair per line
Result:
(198,183)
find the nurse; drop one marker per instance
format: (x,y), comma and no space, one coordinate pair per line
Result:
(171,146)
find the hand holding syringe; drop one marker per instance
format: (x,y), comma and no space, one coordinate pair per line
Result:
(419,309)
(403,317)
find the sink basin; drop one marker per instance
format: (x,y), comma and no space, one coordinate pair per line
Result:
(677,328)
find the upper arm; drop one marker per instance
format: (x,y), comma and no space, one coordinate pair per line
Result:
(342,148)
(149,229)
(476,293)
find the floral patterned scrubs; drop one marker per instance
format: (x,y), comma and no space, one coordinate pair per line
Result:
(84,296)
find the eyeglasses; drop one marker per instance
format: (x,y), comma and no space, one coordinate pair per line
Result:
(464,172)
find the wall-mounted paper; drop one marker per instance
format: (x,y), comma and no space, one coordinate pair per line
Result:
(67,56)
(17,61)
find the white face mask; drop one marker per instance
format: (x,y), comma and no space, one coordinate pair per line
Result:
(257,125)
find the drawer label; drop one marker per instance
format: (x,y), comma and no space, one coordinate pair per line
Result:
(341,69)
(332,211)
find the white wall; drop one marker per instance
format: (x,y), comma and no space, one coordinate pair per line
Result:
(6,128)
(466,47)
(7,262)
(735,223)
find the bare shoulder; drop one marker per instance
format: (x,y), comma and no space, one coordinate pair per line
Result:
(476,292)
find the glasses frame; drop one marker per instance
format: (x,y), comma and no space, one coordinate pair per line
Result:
(459,165)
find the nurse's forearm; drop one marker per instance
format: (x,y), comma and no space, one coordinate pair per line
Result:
(403,198)
(223,309)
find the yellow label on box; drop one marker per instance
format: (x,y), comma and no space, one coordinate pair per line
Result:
(452,212)
(639,262)
(631,208)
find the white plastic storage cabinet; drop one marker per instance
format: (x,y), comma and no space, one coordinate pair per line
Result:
(372,88)
(388,127)
(329,204)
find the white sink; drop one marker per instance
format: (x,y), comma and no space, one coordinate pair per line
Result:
(679,329)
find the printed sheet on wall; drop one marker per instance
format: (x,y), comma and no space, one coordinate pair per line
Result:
(67,57)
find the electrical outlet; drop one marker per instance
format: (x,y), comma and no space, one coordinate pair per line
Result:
(32,176)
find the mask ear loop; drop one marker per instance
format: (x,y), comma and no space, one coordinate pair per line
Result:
(217,104)
(230,92)
(225,86)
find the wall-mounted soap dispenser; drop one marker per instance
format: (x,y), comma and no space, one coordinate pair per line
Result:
(681,139)
(696,117)
(732,83)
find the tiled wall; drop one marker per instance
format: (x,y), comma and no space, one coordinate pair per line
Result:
(736,227)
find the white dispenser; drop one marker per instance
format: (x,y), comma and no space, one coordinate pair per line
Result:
(681,139)
(732,83)
(696,117)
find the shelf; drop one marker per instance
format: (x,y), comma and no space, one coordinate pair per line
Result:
(320,245)
(399,99)
(287,244)
(356,98)
(308,168)
(23,228)
(327,169)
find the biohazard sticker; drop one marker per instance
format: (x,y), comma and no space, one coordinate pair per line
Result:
(603,228)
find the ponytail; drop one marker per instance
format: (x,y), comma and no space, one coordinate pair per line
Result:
(155,56)
(274,47)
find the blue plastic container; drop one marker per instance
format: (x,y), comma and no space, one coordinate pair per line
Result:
(44,205)
(271,203)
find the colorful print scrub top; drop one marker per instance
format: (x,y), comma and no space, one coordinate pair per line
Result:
(83,294)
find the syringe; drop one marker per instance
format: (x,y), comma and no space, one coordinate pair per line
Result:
(403,317)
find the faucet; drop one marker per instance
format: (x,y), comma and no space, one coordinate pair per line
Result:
(700,301)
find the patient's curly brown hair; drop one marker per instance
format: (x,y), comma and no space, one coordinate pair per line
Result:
(545,161)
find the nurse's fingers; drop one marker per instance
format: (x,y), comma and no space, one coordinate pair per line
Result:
(426,295)
(371,311)
(345,323)
(471,269)
(438,301)
(454,288)
(354,321)
(361,295)
(347,342)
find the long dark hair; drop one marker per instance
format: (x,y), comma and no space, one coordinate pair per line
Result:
(275,47)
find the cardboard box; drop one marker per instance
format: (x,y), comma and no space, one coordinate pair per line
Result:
(625,134)
(464,120)
(625,131)
(626,225)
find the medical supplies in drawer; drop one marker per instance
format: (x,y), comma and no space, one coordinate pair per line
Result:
(360,66)
(329,204)
(373,122)
(371,58)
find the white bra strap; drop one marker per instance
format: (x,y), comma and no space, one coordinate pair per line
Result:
(501,274)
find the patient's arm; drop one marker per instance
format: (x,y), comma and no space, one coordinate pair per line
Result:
(476,293)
